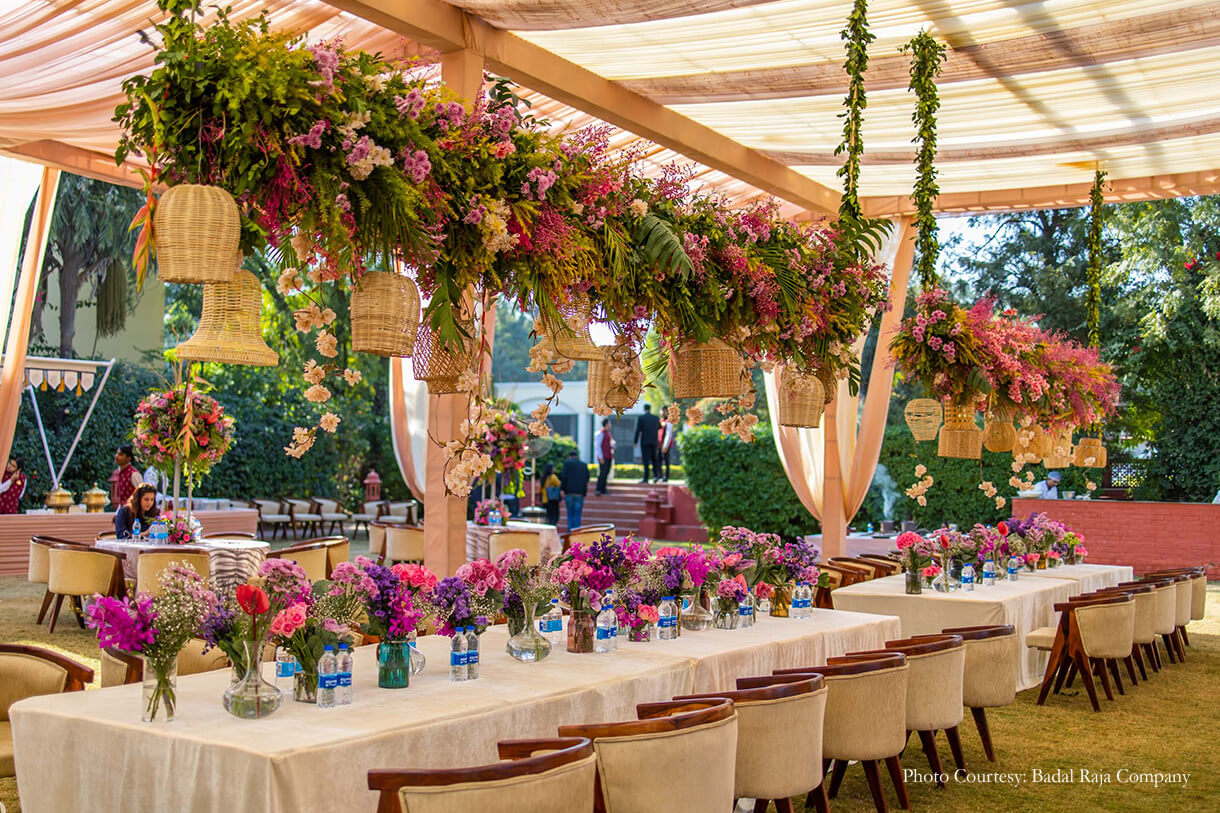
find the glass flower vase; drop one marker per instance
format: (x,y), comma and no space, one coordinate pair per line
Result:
(641,634)
(251,697)
(914,582)
(725,617)
(527,644)
(695,616)
(418,661)
(781,601)
(582,627)
(394,664)
(305,685)
(160,696)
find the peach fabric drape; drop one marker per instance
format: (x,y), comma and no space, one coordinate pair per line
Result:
(23,306)
(855,435)
(409,424)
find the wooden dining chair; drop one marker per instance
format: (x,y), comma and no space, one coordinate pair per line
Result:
(677,758)
(1198,583)
(30,671)
(865,720)
(990,677)
(151,562)
(38,570)
(844,575)
(554,775)
(779,739)
(1089,631)
(310,556)
(503,540)
(338,550)
(884,559)
(874,569)
(404,543)
(75,572)
(376,539)
(120,667)
(1144,630)
(586,535)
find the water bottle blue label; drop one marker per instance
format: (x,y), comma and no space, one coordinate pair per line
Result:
(330,681)
(283,669)
(345,678)
(457,659)
(668,621)
(554,625)
(472,657)
(603,633)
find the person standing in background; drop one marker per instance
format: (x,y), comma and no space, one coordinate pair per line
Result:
(12,486)
(574,479)
(125,479)
(665,442)
(646,428)
(603,443)
(551,492)
(1048,489)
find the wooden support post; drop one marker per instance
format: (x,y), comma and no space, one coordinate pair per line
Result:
(834,519)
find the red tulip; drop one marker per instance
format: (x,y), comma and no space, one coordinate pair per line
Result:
(1002,528)
(252,599)
(944,542)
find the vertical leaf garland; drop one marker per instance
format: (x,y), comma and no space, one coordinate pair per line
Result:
(856,37)
(1093,297)
(927,56)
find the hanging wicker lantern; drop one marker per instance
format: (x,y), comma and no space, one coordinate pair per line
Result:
(1032,442)
(1090,454)
(603,392)
(711,370)
(437,365)
(570,339)
(1060,455)
(802,399)
(999,433)
(960,437)
(385,314)
(229,331)
(197,233)
(924,417)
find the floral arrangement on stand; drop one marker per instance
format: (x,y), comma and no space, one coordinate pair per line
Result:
(156,628)
(484,508)
(937,346)
(504,441)
(181,529)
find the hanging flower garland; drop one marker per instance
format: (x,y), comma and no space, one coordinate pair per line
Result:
(182,429)
(927,56)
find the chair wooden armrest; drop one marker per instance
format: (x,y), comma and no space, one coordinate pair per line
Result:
(774,688)
(760,681)
(926,645)
(526,749)
(701,712)
(977,633)
(133,662)
(51,541)
(304,546)
(79,675)
(668,708)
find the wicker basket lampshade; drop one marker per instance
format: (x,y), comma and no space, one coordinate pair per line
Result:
(1090,454)
(924,417)
(197,229)
(829,383)
(711,370)
(999,433)
(385,314)
(1060,454)
(229,330)
(1033,442)
(437,365)
(603,392)
(802,399)
(570,339)
(960,437)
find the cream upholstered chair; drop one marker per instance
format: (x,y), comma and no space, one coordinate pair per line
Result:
(865,718)
(586,535)
(1091,631)
(119,667)
(76,572)
(990,678)
(377,539)
(504,540)
(303,514)
(403,512)
(29,671)
(39,568)
(779,738)
(338,549)
(151,561)
(311,556)
(541,776)
(272,515)
(1198,584)
(369,511)
(404,543)
(676,760)
(332,513)
(1143,626)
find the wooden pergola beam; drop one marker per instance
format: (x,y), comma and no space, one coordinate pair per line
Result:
(438,25)
(75,160)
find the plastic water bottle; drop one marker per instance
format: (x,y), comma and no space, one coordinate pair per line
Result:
(1012,568)
(472,653)
(989,573)
(968,577)
(495,517)
(745,612)
(285,668)
(135,529)
(343,694)
(551,624)
(667,623)
(607,627)
(802,601)
(328,678)
(870,528)
(457,656)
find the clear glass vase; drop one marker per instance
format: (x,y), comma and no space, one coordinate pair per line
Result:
(781,601)
(251,697)
(305,685)
(725,617)
(528,645)
(394,664)
(641,634)
(914,582)
(582,627)
(160,696)
(695,616)
(418,661)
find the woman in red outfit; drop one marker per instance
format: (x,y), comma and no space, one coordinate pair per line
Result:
(12,486)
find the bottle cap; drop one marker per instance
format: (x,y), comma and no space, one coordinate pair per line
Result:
(554,601)
(328,648)
(667,598)
(342,646)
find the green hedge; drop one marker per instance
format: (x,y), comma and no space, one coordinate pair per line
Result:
(635,471)
(742,483)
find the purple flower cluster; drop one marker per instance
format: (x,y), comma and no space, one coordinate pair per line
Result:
(452,600)
(126,624)
(218,625)
(673,572)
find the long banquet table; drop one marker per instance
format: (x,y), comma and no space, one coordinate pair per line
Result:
(1027,604)
(89,750)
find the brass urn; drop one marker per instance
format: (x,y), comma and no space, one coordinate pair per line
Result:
(95,500)
(59,500)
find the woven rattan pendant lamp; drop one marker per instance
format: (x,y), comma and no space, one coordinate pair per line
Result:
(229,331)
(197,229)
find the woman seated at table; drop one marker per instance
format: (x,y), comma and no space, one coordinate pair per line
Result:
(142,505)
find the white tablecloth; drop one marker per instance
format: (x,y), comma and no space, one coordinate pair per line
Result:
(478,545)
(89,750)
(1090,577)
(232,561)
(1027,604)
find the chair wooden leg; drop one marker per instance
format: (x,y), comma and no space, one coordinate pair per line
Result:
(928,740)
(1052,667)
(1066,672)
(1185,637)
(1086,677)
(874,784)
(785,805)
(761,805)
(1130,661)
(1177,642)
(46,602)
(900,785)
(1118,681)
(59,600)
(1139,661)
(1170,648)
(78,611)
(980,722)
(1153,660)
(1100,670)
(1071,676)
(836,776)
(820,803)
(955,745)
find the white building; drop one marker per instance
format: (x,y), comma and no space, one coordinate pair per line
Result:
(572,416)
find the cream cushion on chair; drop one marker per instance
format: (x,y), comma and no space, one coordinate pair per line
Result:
(682,771)
(312,561)
(1144,631)
(23,676)
(302,511)
(40,564)
(1184,591)
(150,564)
(270,511)
(594,534)
(113,672)
(1106,630)
(934,689)
(330,510)
(499,542)
(192,660)
(865,715)
(404,544)
(1041,638)
(1166,609)
(779,745)
(1198,604)
(337,552)
(990,677)
(564,789)
(376,540)
(79,572)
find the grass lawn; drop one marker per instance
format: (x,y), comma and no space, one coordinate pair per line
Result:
(1168,725)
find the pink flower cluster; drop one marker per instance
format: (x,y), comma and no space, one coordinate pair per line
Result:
(481,576)
(289,620)
(419,578)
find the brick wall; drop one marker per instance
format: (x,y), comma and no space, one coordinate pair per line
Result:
(1146,535)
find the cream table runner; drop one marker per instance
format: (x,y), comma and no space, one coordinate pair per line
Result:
(89,750)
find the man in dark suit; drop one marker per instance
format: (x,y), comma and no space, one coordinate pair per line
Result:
(646,427)
(574,480)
